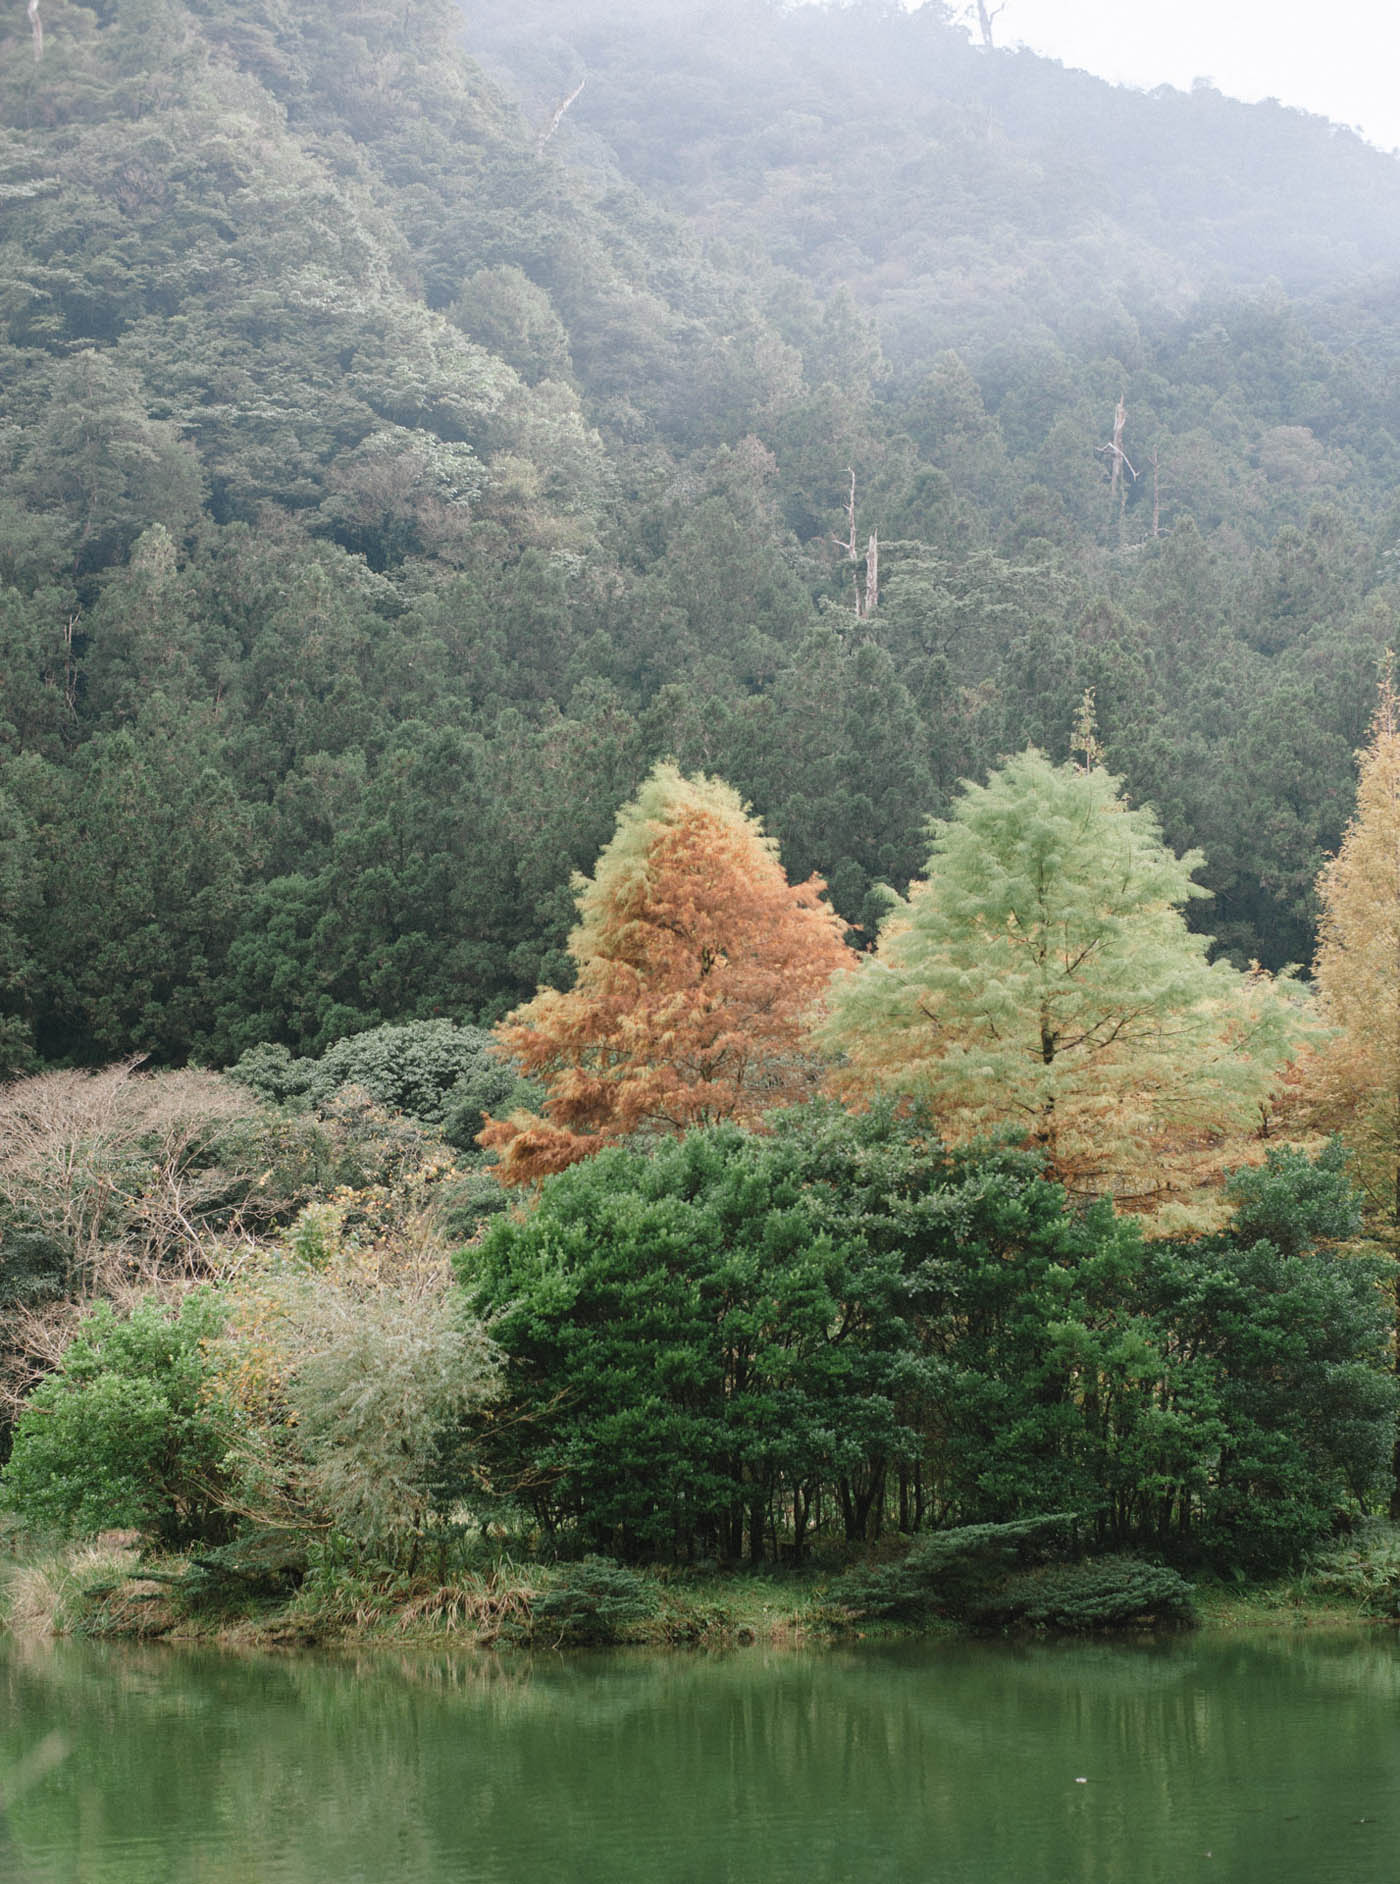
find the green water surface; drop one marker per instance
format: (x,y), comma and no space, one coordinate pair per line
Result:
(1268,1760)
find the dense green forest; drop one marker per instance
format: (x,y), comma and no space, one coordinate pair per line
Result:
(434,439)
(391,476)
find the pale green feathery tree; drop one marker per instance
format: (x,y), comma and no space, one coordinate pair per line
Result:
(1042,980)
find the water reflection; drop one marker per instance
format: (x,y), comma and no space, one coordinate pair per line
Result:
(1278,1757)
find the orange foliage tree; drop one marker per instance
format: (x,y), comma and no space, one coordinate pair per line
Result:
(698,965)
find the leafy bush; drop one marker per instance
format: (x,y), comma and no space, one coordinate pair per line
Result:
(127,1432)
(1101,1593)
(351,1380)
(1296,1202)
(263,1566)
(951,1572)
(666,1321)
(592,1603)
(471,1201)
(1366,1570)
(434,1071)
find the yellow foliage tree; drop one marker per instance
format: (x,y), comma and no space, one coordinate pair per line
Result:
(1355,1076)
(698,964)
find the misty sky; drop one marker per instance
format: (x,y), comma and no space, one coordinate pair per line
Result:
(1339,61)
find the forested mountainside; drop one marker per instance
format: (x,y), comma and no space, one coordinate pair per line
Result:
(975,201)
(390,476)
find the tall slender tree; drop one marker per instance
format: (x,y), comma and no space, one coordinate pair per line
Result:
(698,963)
(1354,1082)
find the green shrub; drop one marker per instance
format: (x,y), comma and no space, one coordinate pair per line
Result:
(592,1602)
(1366,1571)
(127,1432)
(671,1374)
(264,1566)
(951,1572)
(1296,1202)
(434,1071)
(1101,1593)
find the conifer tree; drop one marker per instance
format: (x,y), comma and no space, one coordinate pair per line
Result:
(698,964)
(1356,1075)
(1354,1079)
(1043,979)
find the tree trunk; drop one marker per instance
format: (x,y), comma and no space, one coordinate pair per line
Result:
(758,1521)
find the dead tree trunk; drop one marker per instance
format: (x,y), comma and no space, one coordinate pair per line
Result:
(984,21)
(558,118)
(1118,459)
(868,600)
(1156,494)
(38,26)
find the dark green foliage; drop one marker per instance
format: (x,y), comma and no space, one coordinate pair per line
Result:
(999,1574)
(259,1567)
(467,1205)
(1295,1202)
(708,1348)
(126,1433)
(380,501)
(693,1341)
(1281,1357)
(1075,1598)
(1212,1394)
(1364,1570)
(954,1572)
(589,1604)
(435,1071)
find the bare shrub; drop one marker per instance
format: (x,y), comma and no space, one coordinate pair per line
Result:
(118,1184)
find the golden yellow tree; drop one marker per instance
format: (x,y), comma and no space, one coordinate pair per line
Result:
(698,963)
(1354,1078)
(1356,1075)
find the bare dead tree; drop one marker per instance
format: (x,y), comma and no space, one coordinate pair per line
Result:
(1156,493)
(848,542)
(984,21)
(867,600)
(558,118)
(38,26)
(872,575)
(1118,458)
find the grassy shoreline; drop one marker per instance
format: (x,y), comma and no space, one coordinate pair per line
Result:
(110,1590)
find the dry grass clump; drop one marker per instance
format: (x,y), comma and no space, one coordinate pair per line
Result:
(49,1595)
(501,1602)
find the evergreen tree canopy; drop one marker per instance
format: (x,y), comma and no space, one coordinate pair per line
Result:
(1042,979)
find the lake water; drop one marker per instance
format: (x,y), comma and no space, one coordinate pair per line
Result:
(1268,1760)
